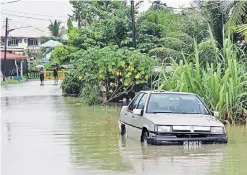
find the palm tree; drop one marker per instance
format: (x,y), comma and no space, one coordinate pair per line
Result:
(242,29)
(238,19)
(238,15)
(138,5)
(56,29)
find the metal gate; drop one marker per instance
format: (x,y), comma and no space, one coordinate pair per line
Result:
(49,75)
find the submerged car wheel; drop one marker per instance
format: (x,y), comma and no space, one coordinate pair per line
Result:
(144,137)
(123,130)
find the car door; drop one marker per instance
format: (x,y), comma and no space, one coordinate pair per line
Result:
(130,129)
(137,119)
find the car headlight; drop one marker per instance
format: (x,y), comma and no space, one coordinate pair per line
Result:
(217,130)
(164,129)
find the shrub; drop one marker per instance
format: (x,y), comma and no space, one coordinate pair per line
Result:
(71,84)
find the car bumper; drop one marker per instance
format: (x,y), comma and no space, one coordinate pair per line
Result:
(173,140)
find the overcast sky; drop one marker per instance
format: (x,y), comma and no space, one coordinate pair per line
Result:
(47,10)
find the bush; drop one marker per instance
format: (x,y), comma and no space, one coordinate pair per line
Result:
(163,53)
(71,84)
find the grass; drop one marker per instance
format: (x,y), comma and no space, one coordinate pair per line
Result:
(10,82)
(222,83)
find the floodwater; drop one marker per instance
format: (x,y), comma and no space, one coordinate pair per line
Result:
(44,133)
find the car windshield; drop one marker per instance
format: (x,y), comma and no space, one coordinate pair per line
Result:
(175,103)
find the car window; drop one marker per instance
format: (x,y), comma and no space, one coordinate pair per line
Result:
(141,104)
(175,103)
(203,105)
(135,102)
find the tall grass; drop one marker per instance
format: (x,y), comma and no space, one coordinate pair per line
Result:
(222,83)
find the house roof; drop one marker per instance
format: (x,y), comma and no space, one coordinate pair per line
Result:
(51,43)
(29,32)
(12,56)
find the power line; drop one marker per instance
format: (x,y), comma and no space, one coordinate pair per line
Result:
(33,13)
(28,17)
(30,28)
(37,28)
(18,22)
(8,2)
(31,32)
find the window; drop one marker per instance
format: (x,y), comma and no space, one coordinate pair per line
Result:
(32,42)
(142,102)
(2,40)
(135,102)
(13,42)
(176,103)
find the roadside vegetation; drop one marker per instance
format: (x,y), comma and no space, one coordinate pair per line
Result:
(222,83)
(10,82)
(204,44)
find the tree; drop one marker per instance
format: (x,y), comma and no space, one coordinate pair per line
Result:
(56,29)
(238,15)
(217,13)
(69,24)
(238,19)
(157,5)
(223,16)
(163,33)
(86,12)
(78,11)
(112,68)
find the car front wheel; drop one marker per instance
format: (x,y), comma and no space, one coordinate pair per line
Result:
(123,130)
(144,137)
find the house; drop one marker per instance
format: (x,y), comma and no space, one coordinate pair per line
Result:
(22,40)
(14,65)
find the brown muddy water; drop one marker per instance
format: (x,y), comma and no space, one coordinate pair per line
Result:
(44,133)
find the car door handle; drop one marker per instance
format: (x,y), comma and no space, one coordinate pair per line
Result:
(125,114)
(133,117)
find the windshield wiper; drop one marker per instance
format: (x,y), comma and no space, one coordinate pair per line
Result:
(190,113)
(161,112)
(169,112)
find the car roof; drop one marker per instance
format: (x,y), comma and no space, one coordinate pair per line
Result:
(166,92)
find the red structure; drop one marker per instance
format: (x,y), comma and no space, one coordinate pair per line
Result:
(14,64)
(12,56)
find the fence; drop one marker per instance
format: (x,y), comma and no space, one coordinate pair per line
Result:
(33,75)
(48,75)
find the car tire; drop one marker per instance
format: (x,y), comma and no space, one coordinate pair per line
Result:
(144,137)
(123,130)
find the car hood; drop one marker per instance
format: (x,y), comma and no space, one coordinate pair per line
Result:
(183,119)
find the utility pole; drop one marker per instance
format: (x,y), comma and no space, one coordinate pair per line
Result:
(7,31)
(5,49)
(133,23)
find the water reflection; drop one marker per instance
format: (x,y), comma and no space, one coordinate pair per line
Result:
(94,139)
(236,161)
(171,159)
(6,101)
(8,131)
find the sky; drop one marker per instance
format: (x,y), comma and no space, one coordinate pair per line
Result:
(47,10)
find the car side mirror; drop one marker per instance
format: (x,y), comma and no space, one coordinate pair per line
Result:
(216,114)
(137,112)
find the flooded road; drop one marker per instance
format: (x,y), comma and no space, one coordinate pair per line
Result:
(44,133)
